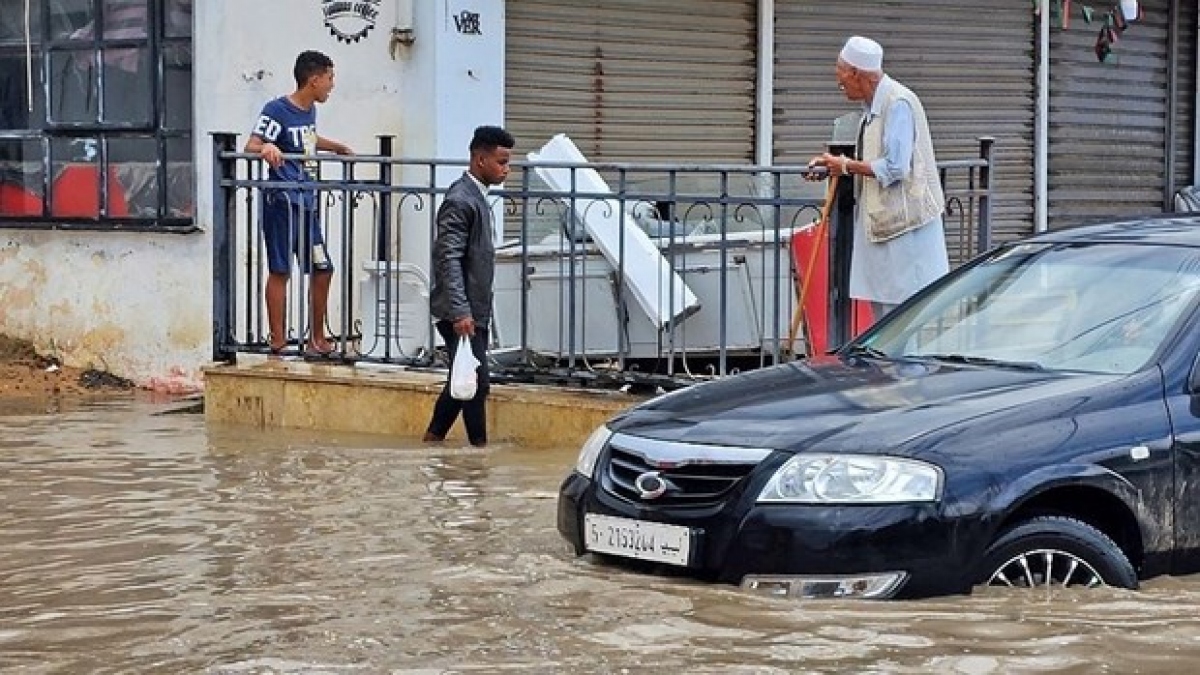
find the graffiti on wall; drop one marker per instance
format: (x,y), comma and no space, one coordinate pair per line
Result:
(468,23)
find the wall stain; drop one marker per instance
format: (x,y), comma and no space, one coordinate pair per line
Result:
(189,331)
(62,309)
(9,252)
(35,271)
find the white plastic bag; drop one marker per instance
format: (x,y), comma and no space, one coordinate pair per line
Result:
(464,380)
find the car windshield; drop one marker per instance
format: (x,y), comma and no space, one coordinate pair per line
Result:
(1103,308)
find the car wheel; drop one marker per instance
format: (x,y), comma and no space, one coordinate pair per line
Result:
(1056,551)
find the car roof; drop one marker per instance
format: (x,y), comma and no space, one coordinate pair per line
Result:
(1170,230)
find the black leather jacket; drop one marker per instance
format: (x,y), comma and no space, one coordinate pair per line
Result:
(463,256)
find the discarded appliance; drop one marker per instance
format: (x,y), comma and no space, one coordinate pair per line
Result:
(658,290)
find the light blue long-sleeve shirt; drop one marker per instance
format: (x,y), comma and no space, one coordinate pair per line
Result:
(899,136)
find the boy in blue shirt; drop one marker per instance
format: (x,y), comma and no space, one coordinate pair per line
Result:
(288,125)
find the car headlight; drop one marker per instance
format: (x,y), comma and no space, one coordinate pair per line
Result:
(853,479)
(590,451)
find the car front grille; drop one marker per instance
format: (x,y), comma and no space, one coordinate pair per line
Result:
(695,476)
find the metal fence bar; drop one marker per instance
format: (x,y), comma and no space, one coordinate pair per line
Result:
(724,230)
(224,307)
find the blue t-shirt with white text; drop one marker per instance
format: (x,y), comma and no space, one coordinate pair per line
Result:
(294,131)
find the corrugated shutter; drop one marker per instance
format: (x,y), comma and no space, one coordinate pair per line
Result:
(1108,121)
(633,80)
(970,61)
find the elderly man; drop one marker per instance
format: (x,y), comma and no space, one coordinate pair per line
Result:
(899,241)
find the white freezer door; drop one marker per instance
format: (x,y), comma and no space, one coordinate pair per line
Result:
(658,290)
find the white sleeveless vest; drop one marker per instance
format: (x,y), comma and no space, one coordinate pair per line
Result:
(913,201)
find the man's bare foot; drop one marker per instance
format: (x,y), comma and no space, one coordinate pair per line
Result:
(431,437)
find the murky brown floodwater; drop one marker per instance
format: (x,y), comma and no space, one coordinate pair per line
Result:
(134,542)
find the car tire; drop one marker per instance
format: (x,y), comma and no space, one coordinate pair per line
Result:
(1076,553)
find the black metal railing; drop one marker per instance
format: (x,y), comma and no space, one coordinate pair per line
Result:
(606,274)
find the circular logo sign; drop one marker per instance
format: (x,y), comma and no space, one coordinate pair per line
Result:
(650,485)
(350,20)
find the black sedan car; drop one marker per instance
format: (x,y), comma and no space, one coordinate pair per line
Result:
(1031,419)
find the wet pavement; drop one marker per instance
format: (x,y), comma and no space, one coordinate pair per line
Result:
(132,541)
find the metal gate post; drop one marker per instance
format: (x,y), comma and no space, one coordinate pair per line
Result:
(384,233)
(984,237)
(223,242)
(841,248)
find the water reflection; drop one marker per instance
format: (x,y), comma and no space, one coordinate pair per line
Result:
(132,542)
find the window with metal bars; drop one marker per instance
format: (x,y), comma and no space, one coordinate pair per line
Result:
(96,114)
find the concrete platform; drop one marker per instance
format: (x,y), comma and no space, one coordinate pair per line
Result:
(285,393)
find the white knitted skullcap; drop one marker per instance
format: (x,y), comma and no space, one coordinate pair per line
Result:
(863,53)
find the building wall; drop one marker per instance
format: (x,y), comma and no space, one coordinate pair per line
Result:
(122,302)
(140,305)
(454,81)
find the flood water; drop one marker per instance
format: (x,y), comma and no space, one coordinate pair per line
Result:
(132,541)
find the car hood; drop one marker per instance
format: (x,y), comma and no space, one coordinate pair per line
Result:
(859,405)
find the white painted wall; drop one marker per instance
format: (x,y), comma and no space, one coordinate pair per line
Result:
(454,83)
(140,305)
(122,302)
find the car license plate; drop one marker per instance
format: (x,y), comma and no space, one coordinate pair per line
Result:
(637,539)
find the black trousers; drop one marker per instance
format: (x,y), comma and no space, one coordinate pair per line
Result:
(474,412)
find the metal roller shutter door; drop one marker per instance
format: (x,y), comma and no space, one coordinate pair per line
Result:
(633,80)
(971,62)
(1109,121)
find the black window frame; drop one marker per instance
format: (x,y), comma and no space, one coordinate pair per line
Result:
(169,142)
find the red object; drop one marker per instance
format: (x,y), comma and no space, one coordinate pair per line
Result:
(816,298)
(76,193)
(15,200)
